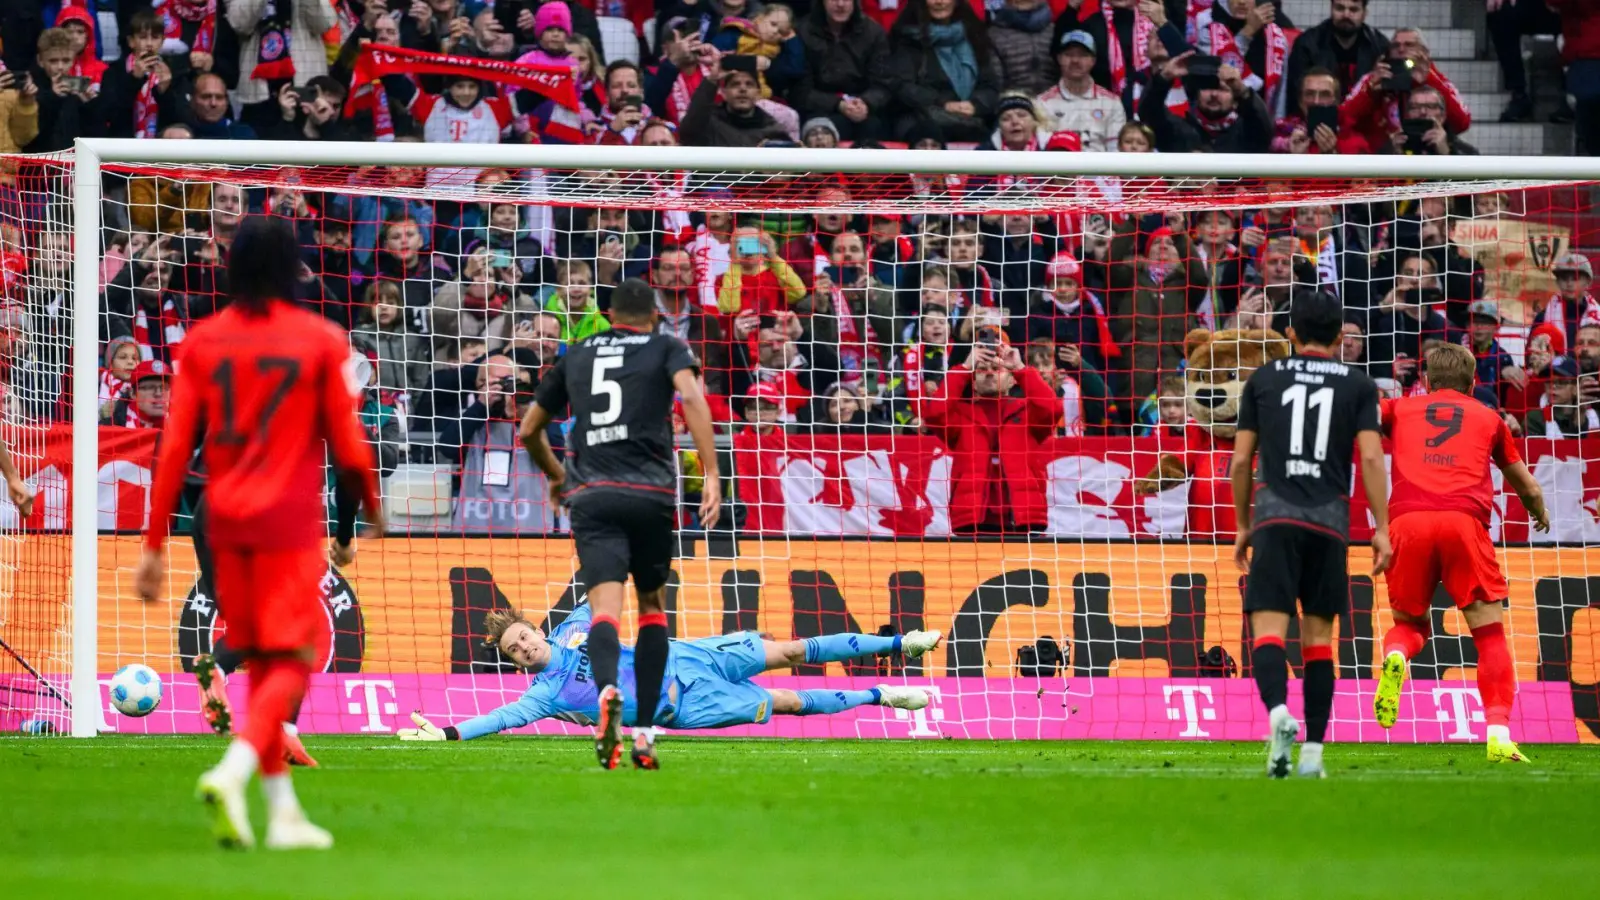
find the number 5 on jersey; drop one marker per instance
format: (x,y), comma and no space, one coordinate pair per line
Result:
(601,430)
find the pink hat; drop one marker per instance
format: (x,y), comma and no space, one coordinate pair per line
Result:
(1070,141)
(1063,265)
(553,14)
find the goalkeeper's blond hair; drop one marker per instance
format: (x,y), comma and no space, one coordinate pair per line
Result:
(497,621)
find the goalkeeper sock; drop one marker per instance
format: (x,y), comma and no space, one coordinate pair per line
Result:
(1405,637)
(840,647)
(604,649)
(1271,670)
(1318,688)
(649,666)
(823,702)
(1497,681)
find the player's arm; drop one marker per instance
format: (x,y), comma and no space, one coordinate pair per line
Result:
(353,464)
(697,415)
(179,436)
(1508,458)
(1374,476)
(21,494)
(530,707)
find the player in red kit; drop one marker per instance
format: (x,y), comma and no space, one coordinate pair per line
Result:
(261,387)
(1442,444)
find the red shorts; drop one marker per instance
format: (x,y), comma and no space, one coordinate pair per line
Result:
(271,599)
(1452,547)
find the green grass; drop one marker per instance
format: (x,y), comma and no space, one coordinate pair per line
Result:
(535,818)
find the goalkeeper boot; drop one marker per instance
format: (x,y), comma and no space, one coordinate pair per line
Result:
(1386,703)
(915,643)
(644,749)
(294,752)
(213,694)
(293,831)
(1284,731)
(902,697)
(1504,750)
(230,816)
(608,733)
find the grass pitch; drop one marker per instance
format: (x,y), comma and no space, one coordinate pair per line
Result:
(535,818)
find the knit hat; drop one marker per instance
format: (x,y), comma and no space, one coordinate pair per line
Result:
(1556,334)
(1063,265)
(1158,234)
(1015,102)
(822,122)
(553,14)
(115,344)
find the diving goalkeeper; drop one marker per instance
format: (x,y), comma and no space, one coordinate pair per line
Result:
(707,682)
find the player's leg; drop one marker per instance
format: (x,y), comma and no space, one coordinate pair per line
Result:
(1477,585)
(1324,596)
(814,702)
(211,670)
(222,788)
(846,646)
(603,557)
(1410,581)
(1269,599)
(651,538)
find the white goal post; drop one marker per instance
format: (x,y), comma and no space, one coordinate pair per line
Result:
(1464,174)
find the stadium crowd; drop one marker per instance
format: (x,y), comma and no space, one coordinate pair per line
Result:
(995,333)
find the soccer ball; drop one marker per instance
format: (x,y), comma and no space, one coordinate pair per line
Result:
(136,690)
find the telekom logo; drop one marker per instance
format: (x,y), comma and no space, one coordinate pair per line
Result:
(1456,706)
(367,702)
(1194,706)
(921,718)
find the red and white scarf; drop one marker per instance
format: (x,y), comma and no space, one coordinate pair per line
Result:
(144,105)
(857,346)
(168,323)
(1224,46)
(174,13)
(274,42)
(1143,28)
(132,419)
(1555,311)
(113,388)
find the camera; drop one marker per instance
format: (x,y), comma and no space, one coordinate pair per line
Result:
(1044,659)
(988,335)
(1203,73)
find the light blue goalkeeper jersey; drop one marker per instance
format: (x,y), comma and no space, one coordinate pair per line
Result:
(565,690)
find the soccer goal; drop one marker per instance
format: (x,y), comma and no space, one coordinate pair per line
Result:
(1062,513)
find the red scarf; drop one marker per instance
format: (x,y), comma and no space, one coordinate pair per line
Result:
(167,323)
(144,105)
(113,388)
(855,348)
(1224,46)
(1143,28)
(555,83)
(174,13)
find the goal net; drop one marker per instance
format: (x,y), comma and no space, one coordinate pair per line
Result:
(990,394)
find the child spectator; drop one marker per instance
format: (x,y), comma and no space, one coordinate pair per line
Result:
(572,299)
(1571,306)
(142,84)
(1166,413)
(116,378)
(780,57)
(1545,343)
(758,279)
(1067,315)
(145,406)
(404,360)
(68,110)
(79,25)
(1136,137)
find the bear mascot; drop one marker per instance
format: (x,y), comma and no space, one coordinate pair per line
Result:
(1219,363)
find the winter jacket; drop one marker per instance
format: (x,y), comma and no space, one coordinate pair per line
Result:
(1314,48)
(405,361)
(854,62)
(1251,132)
(19,121)
(1580,27)
(708,123)
(1022,42)
(1013,429)
(63,118)
(923,88)
(1375,113)
(1148,317)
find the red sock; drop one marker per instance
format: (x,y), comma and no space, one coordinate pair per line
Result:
(276,687)
(1407,637)
(1497,681)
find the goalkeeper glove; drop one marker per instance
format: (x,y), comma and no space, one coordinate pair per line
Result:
(427,731)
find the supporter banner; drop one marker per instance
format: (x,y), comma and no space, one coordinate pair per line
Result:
(1116,610)
(1051,709)
(44,459)
(551,82)
(1517,257)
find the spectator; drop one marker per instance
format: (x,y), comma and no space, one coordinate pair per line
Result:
(1377,112)
(465,307)
(79,24)
(1166,413)
(711,250)
(1212,236)
(921,365)
(1571,306)
(311,113)
(278,41)
(1545,343)
(1423,104)
(1021,124)
(192,42)
(847,76)
(1079,105)
(138,89)
(1155,282)
(758,279)
(786,358)
(64,115)
(19,111)
(1497,370)
(1401,326)
(1124,31)
(850,311)
(1319,89)
(683,316)
(116,378)
(1067,315)
(404,360)
(612,239)
(841,410)
(780,56)
(945,69)
(521,20)
(738,121)
(402,258)
(487,39)
(969,283)
(1586,346)
(1021,31)
(534,342)
(1259,30)
(572,300)
(208,112)
(1563,413)
(1580,33)
(995,416)
(146,405)
(819,133)
(1228,118)
(1136,137)
(1343,44)
(1015,261)
(1508,21)
(1353,345)
(380,418)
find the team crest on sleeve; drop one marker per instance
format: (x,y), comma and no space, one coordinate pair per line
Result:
(576,639)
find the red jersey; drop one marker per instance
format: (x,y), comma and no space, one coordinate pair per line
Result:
(1441,445)
(261,394)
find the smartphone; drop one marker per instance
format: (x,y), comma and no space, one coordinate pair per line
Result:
(844,276)
(1322,115)
(608,238)
(739,62)
(748,246)
(988,335)
(75,84)
(1399,76)
(1203,73)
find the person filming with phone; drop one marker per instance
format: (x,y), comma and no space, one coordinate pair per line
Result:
(759,280)
(1423,131)
(1380,105)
